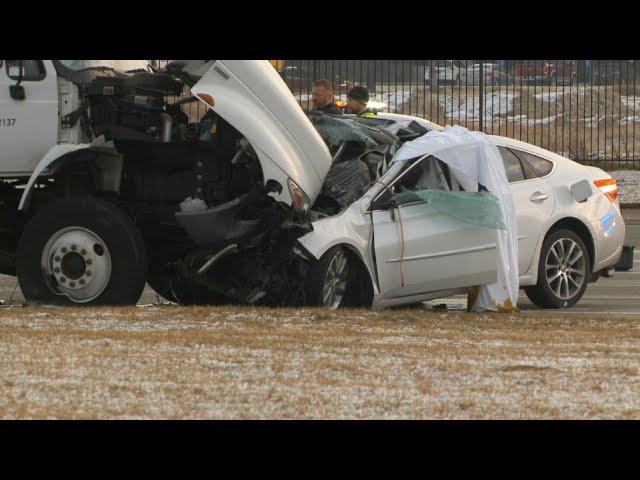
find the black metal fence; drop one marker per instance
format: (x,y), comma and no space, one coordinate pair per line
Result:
(586,110)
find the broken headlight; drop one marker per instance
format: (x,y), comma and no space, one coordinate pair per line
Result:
(300,201)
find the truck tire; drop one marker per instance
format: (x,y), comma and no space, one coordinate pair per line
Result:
(563,271)
(81,250)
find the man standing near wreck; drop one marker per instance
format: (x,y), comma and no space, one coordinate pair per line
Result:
(322,98)
(357,100)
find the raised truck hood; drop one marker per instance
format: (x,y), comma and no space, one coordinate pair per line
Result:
(251,96)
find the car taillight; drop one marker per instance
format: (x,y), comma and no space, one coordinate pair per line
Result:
(609,187)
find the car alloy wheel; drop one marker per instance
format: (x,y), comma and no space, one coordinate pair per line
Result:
(565,268)
(335,281)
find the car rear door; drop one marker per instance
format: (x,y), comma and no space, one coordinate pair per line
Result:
(533,197)
(419,250)
(28,127)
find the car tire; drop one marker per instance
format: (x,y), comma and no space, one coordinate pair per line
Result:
(328,279)
(81,250)
(563,273)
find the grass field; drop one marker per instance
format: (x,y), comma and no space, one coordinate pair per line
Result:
(178,362)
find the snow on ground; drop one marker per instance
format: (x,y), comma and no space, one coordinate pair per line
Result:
(497,103)
(630,101)
(549,96)
(628,185)
(394,100)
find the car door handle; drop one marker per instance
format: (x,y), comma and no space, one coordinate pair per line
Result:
(538,197)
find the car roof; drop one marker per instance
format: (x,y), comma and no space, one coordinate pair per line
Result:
(512,142)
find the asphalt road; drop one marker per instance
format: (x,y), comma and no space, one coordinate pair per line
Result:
(618,295)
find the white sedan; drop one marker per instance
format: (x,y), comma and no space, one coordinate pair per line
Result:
(570,229)
(563,243)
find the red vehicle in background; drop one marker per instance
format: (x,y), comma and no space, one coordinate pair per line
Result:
(547,72)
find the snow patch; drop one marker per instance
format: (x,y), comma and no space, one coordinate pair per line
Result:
(497,103)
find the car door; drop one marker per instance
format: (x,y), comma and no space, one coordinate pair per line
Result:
(420,250)
(533,198)
(28,127)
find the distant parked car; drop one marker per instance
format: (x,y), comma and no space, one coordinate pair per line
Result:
(548,73)
(605,72)
(301,78)
(491,73)
(447,71)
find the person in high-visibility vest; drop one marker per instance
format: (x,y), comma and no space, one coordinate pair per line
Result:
(357,100)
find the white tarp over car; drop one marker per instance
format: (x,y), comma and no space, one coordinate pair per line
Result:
(474,160)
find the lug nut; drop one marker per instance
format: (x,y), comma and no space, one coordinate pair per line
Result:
(56,270)
(74,248)
(82,282)
(63,249)
(72,284)
(62,279)
(88,273)
(83,252)
(89,261)
(56,258)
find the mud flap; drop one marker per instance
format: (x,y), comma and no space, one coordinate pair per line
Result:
(626,259)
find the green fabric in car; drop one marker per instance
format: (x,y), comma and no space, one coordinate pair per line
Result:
(481,209)
(335,131)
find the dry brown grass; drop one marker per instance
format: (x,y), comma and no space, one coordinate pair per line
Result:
(177,362)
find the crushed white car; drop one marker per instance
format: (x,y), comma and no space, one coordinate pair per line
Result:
(258,203)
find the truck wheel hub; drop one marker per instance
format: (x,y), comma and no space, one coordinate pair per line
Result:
(73,266)
(76,263)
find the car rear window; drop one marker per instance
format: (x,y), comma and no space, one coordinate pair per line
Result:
(511,165)
(533,165)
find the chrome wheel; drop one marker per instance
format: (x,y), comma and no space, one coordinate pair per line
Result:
(76,263)
(335,281)
(565,268)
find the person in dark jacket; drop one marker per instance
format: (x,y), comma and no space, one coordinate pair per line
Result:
(322,98)
(357,100)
